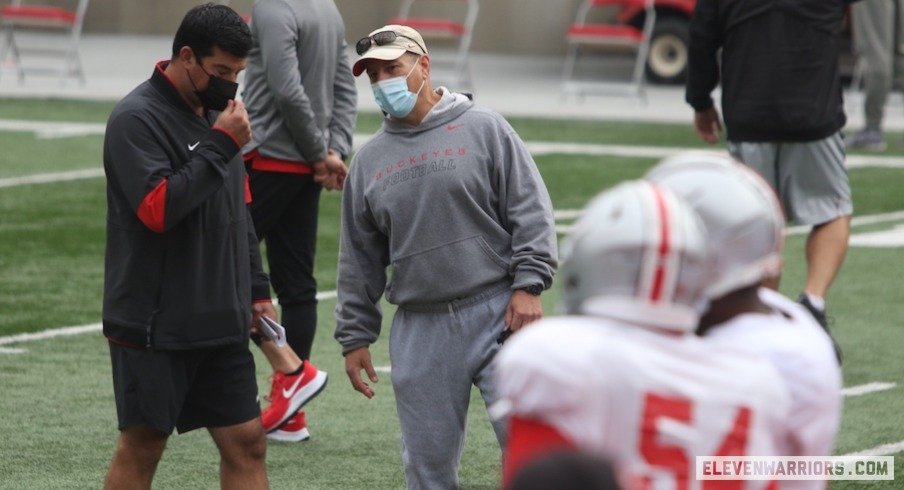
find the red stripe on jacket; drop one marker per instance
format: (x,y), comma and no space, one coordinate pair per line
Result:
(152,209)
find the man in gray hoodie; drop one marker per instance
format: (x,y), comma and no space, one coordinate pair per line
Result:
(448,196)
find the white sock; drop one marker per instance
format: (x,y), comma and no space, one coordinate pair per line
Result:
(817,301)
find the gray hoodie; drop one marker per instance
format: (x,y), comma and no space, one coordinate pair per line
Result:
(455,205)
(300,92)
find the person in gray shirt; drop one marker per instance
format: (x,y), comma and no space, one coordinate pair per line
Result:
(302,103)
(447,195)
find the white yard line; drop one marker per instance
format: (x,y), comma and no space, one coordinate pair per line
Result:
(49,334)
(540,148)
(49,129)
(864,161)
(861,390)
(883,450)
(869,219)
(566,214)
(88,173)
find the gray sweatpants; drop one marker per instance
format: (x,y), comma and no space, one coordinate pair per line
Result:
(878,27)
(436,357)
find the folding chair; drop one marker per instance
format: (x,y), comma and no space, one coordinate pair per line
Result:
(20,17)
(454,26)
(617,33)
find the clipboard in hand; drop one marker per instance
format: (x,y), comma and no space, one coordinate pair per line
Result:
(274,331)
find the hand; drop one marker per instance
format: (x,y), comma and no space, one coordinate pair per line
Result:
(707,123)
(341,169)
(234,120)
(522,309)
(355,361)
(331,171)
(263,308)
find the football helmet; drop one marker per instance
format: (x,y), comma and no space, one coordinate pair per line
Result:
(637,254)
(742,215)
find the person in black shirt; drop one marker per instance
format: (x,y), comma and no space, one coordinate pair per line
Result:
(183,284)
(782,102)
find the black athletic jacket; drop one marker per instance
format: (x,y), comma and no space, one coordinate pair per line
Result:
(779,66)
(182,257)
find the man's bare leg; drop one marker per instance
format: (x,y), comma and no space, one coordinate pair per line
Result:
(243,450)
(826,247)
(282,359)
(135,459)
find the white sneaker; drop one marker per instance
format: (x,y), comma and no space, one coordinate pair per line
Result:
(294,430)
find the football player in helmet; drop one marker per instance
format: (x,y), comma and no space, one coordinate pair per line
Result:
(623,376)
(744,222)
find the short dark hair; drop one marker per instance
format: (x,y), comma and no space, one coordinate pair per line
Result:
(209,25)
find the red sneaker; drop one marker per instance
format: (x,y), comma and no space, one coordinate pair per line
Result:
(294,430)
(289,393)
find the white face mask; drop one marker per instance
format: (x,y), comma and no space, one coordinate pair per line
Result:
(393,96)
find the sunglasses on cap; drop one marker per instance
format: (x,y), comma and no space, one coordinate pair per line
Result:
(381,38)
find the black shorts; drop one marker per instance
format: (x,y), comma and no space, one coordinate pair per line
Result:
(186,389)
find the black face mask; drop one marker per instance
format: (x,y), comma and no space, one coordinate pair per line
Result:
(218,93)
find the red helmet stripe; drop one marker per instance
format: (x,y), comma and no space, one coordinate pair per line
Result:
(664,245)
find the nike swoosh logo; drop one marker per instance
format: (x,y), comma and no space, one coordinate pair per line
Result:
(192,147)
(453,127)
(287,393)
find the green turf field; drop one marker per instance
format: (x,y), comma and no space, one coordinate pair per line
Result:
(59,425)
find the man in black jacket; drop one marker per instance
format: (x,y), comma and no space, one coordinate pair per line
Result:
(183,279)
(782,100)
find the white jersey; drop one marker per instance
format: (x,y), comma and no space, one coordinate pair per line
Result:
(650,401)
(802,352)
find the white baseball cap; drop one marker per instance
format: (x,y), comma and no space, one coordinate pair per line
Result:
(379,46)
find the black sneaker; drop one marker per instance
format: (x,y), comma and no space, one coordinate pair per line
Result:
(820,316)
